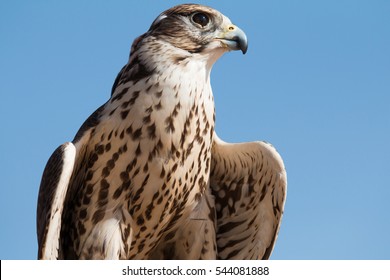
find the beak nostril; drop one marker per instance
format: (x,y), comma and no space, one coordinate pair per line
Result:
(233,38)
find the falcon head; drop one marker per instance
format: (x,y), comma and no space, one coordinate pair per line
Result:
(196,28)
(176,36)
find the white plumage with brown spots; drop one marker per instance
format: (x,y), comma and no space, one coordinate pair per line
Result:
(146,177)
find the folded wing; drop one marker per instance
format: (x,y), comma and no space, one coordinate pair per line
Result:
(249,183)
(52,193)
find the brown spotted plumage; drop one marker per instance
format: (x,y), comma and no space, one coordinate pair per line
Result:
(146,177)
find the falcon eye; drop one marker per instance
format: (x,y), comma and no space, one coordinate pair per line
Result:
(201,19)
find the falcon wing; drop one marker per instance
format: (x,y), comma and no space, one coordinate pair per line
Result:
(63,172)
(249,183)
(52,193)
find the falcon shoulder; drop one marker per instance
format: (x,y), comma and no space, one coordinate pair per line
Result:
(249,183)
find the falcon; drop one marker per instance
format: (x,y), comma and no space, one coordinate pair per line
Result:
(146,176)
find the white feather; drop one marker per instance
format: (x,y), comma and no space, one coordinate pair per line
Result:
(50,250)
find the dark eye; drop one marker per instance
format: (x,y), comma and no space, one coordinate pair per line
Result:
(201,19)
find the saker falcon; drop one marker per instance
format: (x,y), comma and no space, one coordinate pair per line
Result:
(146,177)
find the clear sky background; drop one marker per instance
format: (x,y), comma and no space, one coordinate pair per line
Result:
(315,82)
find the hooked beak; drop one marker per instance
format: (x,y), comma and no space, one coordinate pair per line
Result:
(234,38)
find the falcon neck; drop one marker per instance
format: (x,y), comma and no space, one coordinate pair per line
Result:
(164,59)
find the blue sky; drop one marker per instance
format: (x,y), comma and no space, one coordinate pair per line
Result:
(315,82)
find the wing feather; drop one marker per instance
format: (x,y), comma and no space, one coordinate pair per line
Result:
(52,193)
(249,183)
